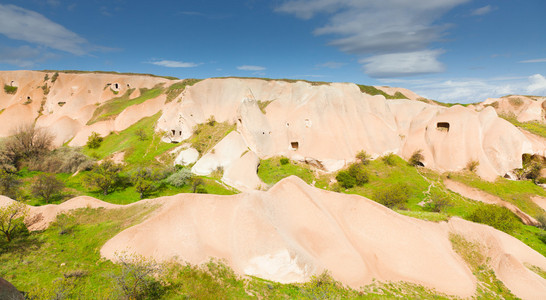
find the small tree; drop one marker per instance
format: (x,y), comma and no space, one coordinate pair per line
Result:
(144,181)
(141,133)
(197,185)
(11,219)
(104,176)
(9,184)
(417,158)
(94,140)
(136,279)
(363,157)
(46,186)
(438,202)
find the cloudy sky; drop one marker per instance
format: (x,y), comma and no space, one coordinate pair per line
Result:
(449,50)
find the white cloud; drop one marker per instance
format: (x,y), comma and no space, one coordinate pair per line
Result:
(331,65)
(174,64)
(482,10)
(250,68)
(537,86)
(403,64)
(379,27)
(24,56)
(530,61)
(25,25)
(468,90)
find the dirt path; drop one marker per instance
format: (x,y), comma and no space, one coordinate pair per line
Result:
(478,195)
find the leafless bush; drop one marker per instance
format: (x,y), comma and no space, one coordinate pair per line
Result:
(27,142)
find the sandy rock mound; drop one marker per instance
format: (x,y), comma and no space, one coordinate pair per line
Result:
(294,231)
(41,216)
(524,108)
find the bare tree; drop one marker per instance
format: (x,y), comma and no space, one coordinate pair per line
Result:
(27,141)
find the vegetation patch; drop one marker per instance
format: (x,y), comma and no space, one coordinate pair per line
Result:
(272,170)
(517,192)
(137,150)
(371,90)
(534,127)
(263,104)
(65,258)
(473,254)
(108,72)
(112,108)
(10,89)
(207,135)
(174,90)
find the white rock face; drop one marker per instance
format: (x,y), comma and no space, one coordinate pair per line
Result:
(186,157)
(222,155)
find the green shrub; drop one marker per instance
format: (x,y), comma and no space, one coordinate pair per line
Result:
(94,140)
(54,77)
(284,161)
(417,158)
(10,89)
(345,179)
(180,178)
(359,173)
(542,221)
(542,236)
(394,196)
(438,202)
(472,165)
(363,157)
(389,159)
(496,216)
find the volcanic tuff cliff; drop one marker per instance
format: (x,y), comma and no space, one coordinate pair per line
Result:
(326,124)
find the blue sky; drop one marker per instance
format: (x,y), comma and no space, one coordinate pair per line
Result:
(449,50)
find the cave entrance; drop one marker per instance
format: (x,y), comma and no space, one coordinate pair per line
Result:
(442,126)
(294,145)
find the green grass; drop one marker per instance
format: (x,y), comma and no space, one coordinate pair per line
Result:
(473,254)
(37,263)
(537,270)
(263,104)
(272,171)
(10,89)
(205,136)
(175,89)
(371,90)
(109,72)
(517,192)
(112,108)
(137,151)
(534,127)
(65,259)
(425,215)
